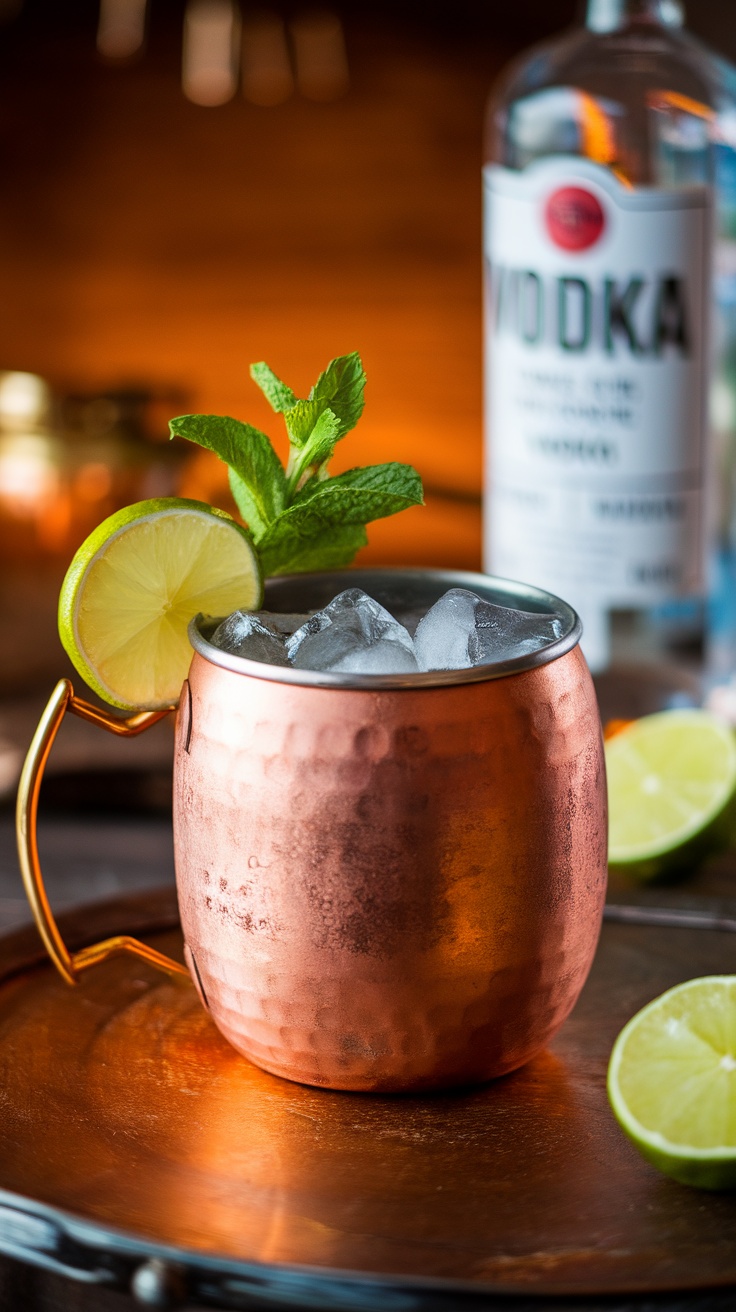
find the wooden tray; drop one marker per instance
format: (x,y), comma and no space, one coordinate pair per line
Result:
(136,1144)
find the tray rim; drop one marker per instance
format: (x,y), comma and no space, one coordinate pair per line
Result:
(282,1282)
(152,912)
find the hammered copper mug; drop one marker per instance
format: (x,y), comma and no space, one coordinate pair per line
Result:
(389,882)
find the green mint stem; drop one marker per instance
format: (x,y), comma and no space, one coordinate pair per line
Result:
(298,470)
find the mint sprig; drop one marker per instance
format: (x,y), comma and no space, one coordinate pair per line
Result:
(301,518)
(257,476)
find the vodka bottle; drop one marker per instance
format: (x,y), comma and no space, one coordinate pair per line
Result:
(598,241)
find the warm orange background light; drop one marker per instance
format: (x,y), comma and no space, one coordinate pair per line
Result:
(170,244)
(154,244)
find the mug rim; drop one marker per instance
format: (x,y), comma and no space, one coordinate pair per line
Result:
(490,587)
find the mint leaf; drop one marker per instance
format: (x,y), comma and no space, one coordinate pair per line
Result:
(258,480)
(293,554)
(361,495)
(341,387)
(279,396)
(324,508)
(314,454)
(301,419)
(322,439)
(249,504)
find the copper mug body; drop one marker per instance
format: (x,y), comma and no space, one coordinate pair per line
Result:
(390,882)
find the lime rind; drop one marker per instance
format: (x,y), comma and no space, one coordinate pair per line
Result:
(710,1166)
(169,647)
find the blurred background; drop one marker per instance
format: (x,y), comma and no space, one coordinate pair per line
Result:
(192,185)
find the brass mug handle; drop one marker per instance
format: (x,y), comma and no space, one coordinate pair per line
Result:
(70,965)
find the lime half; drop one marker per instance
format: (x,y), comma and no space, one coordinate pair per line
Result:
(671,788)
(672,1082)
(135,584)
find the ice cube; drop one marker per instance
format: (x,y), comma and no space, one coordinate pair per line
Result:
(281,622)
(355,635)
(383,657)
(502,632)
(245,634)
(462,630)
(443,636)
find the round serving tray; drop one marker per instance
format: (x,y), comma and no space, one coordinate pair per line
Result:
(137,1149)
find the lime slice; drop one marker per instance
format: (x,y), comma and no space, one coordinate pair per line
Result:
(135,584)
(671,788)
(672,1082)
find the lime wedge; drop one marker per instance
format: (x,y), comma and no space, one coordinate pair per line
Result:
(672,1082)
(671,789)
(135,584)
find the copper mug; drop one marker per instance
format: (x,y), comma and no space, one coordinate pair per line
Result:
(385,883)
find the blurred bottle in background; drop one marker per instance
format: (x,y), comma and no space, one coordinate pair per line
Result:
(603,150)
(721,634)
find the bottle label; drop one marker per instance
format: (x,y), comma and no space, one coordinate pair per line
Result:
(596,305)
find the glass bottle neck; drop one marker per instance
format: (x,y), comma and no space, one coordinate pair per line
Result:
(612,15)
